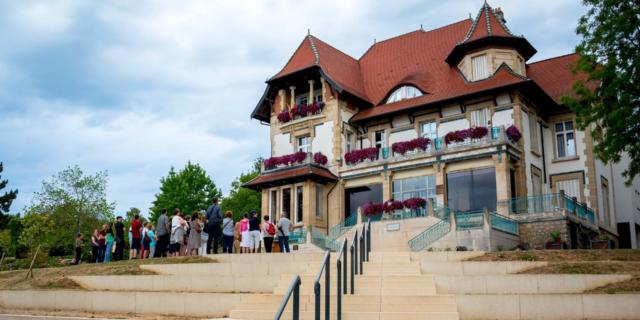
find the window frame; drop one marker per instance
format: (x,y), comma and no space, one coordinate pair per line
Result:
(300,146)
(474,76)
(431,135)
(319,194)
(564,134)
(298,208)
(606,205)
(383,139)
(403,93)
(533,133)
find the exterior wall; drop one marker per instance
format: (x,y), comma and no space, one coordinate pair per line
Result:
(402,135)
(323,140)
(447,126)
(502,118)
(281,144)
(626,201)
(537,234)
(495,58)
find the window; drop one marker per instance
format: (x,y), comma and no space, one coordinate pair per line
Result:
(565,140)
(605,200)
(571,188)
(318,95)
(479,67)
(404,92)
(472,190)
(380,141)
(299,205)
(479,118)
(273,208)
(533,133)
(304,144)
(286,201)
(536,180)
(348,141)
(428,130)
(302,99)
(319,201)
(422,187)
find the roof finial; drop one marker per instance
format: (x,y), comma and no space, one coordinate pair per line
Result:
(422,29)
(308,31)
(374,41)
(470,17)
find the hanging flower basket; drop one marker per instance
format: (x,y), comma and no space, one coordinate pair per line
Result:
(372,209)
(411,145)
(357,156)
(284,116)
(414,203)
(513,133)
(320,159)
(285,160)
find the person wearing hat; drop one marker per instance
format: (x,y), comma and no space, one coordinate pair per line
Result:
(118,255)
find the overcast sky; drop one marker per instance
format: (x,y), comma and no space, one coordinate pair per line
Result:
(135,87)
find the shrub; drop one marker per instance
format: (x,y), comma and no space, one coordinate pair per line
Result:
(527,257)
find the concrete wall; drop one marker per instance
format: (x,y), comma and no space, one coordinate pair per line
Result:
(181,283)
(502,118)
(134,303)
(560,306)
(323,140)
(478,267)
(524,283)
(231,269)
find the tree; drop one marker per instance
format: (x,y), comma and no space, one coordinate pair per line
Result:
(607,100)
(7,198)
(190,189)
(242,200)
(73,202)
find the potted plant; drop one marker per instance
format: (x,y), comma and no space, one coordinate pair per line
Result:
(513,133)
(602,242)
(555,240)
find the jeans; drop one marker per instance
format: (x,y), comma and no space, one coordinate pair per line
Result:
(78,254)
(227,244)
(214,236)
(283,241)
(268,244)
(162,245)
(95,254)
(118,255)
(152,251)
(107,252)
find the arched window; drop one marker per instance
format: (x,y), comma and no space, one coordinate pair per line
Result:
(404,92)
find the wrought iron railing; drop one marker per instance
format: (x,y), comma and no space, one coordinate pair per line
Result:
(298,236)
(294,290)
(469,220)
(430,236)
(344,226)
(321,240)
(341,277)
(552,202)
(504,224)
(327,287)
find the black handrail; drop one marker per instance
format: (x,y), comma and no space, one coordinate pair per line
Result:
(327,290)
(362,249)
(354,252)
(341,281)
(294,289)
(368,238)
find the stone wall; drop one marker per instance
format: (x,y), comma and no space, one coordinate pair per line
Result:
(537,233)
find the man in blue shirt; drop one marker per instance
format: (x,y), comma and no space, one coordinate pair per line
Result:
(214,218)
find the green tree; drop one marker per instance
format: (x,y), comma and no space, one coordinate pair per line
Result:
(189,189)
(607,100)
(7,198)
(242,200)
(73,202)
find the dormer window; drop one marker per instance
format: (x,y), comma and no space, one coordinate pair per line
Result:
(479,67)
(404,92)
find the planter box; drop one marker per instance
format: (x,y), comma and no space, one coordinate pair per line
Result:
(553,245)
(601,244)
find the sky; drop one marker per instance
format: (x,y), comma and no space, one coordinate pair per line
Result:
(136,87)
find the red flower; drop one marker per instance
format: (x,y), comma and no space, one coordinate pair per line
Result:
(320,159)
(357,156)
(414,203)
(478,132)
(513,133)
(372,209)
(284,116)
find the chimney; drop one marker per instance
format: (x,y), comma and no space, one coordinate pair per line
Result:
(499,14)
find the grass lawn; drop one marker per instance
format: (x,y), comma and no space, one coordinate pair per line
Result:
(56,277)
(621,261)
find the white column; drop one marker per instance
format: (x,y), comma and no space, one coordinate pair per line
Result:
(310,100)
(293,96)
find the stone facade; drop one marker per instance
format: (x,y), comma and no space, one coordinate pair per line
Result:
(537,234)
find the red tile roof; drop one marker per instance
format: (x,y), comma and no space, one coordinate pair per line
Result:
(419,58)
(288,175)
(554,75)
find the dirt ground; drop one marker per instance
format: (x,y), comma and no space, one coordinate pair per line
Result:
(621,261)
(56,278)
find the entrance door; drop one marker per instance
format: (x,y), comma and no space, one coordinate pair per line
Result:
(359,196)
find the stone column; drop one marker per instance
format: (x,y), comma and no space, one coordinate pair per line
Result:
(292,89)
(323,82)
(430,207)
(387,186)
(283,96)
(310,100)
(503,183)
(440,169)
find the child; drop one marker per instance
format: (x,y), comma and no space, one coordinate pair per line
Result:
(79,243)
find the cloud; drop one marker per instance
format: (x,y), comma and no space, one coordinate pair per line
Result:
(137,87)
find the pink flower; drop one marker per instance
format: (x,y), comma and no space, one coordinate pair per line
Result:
(478,132)
(284,116)
(414,203)
(320,159)
(513,133)
(357,156)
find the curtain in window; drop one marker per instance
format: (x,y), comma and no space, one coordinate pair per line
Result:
(571,188)
(479,118)
(480,70)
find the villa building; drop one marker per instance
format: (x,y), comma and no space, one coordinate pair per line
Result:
(455,114)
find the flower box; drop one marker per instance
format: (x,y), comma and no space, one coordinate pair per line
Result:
(414,203)
(461,135)
(357,156)
(294,158)
(513,133)
(300,111)
(411,145)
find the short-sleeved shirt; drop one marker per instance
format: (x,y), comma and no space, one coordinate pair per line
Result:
(152,235)
(254,224)
(227,227)
(161,228)
(119,231)
(79,242)
(284,225)
(135,228)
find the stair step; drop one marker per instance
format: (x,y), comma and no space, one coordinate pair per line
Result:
(259,315)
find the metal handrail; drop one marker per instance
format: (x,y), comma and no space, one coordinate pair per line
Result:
(294,289)
(368,238)
(316,287)
(354,252)
(340,280)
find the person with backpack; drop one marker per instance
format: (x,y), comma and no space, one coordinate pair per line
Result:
(227,233)
(268,232)
(146,241)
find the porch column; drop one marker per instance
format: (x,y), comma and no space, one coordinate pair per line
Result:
(323,82)
(387,185)
(283,96)
(310,100)
(292,89)
(441,176)
(503,183)
(308,213)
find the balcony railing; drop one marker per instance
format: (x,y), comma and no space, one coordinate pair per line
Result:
(293,160)
(494,136)
(545,203)
(469,220)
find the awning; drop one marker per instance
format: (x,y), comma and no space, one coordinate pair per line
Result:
(290,175)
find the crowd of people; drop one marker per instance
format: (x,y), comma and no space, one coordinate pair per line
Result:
(192,235)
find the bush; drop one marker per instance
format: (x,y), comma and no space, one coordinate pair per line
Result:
(527,257)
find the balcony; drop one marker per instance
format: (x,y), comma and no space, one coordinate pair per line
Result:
(293,160)
(299,112)
(292,168)
(456,142)
(549,205)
